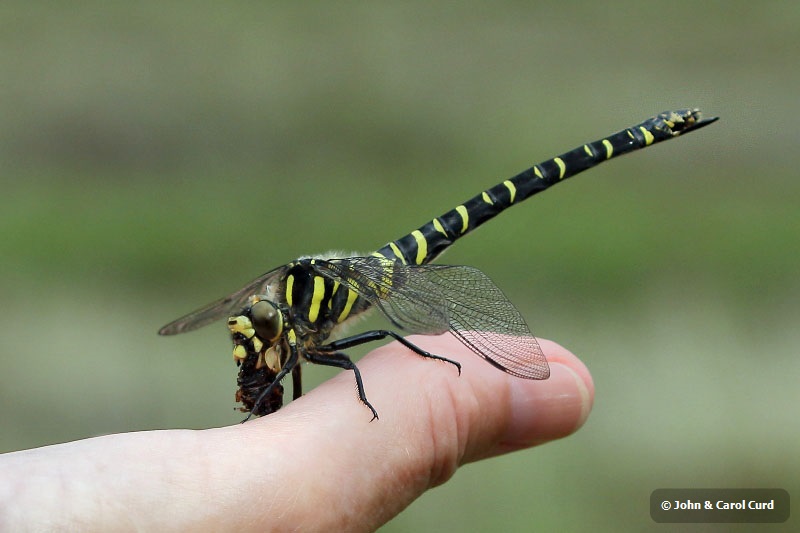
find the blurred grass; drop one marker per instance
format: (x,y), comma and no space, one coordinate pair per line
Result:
(155,157)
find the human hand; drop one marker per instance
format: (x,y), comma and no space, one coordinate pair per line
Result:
(317,464)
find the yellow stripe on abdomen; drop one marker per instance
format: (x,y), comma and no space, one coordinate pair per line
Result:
(648,137)
(438,227)
(461,210)
(562,168)
(397,252)
(512,190)
(422,246)
(609,148)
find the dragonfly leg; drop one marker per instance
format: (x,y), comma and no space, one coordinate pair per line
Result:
(297,382)
(379,334)
(340,360)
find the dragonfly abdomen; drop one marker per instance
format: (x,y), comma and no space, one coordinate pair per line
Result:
(429,240)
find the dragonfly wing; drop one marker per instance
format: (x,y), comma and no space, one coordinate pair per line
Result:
(487,322)
(223,307)
(431,299)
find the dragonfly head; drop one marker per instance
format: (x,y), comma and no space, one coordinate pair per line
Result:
(256,329)
(258,351)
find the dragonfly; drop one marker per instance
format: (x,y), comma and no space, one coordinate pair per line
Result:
(290,314)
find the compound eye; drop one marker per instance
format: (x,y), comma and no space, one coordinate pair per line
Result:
(267,320)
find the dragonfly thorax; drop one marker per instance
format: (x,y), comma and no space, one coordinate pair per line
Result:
(317,303)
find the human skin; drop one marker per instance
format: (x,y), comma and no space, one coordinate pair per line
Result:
(318,464)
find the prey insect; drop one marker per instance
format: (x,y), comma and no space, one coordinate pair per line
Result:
(290,314)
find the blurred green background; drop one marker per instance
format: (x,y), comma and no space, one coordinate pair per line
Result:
(156,156)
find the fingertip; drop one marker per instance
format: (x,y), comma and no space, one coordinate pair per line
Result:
(557,354)
(542,411)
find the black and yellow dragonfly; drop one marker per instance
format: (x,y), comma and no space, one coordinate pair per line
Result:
(289,314)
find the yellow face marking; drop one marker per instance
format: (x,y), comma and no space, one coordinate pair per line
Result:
(316,298)
(438,227)
(348,306)
(289,286)
(486,198)
(588,150)
(292,337)
(241,324)
(561,167)
(609,148)
(464,217)
(648,137)
(422,246)
(512,191)
(397,252)
(257,344)
(538,173)
(239,352)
